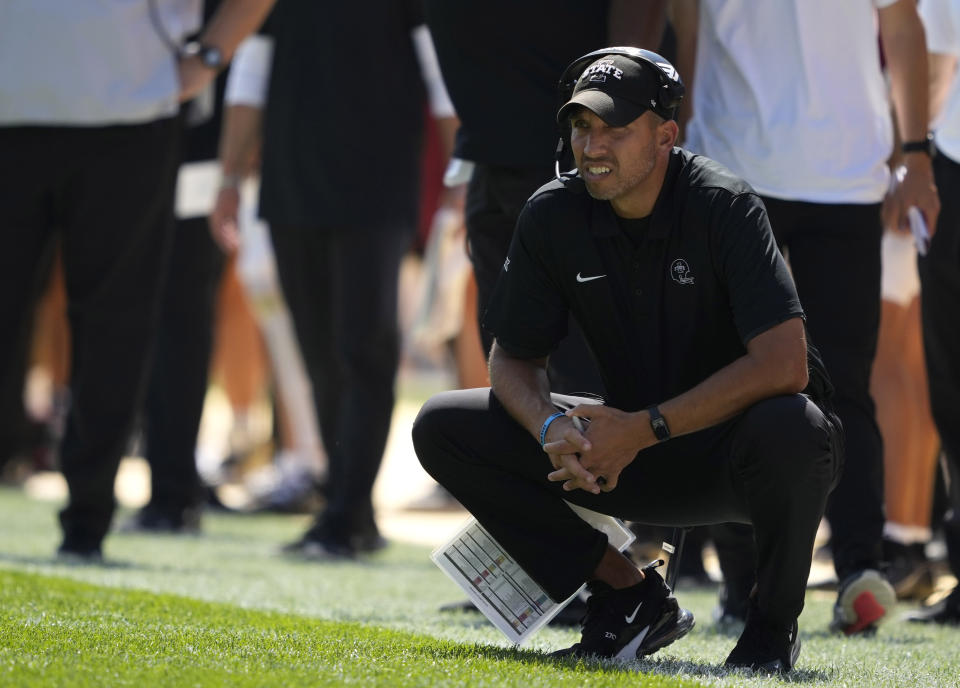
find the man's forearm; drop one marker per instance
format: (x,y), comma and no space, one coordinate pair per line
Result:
(233,21)
(905,47)
(775,364)
(240,140)
(522,387)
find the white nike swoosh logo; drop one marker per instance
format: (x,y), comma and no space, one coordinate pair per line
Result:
(629,619)
(588,279)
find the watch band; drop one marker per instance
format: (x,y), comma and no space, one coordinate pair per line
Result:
(659,424)
(924,145)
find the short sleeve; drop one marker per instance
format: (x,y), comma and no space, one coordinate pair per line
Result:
(760,289)
(940,23)
(528,313)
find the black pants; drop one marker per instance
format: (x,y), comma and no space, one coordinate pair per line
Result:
(834,254)
(341,288)
(772,466)
(181,362)
(495,197)
(109,193)
(940,304)
(15,427)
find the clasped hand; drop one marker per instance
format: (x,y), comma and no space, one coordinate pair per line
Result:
(593,459)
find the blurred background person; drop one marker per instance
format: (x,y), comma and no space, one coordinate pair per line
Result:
(940,278)
(339,191)
(289,481)
(89,97)
(898,385)
(177,381)
(486,59)
(791,97)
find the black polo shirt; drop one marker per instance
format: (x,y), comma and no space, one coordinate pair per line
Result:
(662,306)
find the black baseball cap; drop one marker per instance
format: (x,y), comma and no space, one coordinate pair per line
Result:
(616,88)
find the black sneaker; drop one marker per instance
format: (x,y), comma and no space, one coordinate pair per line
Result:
(366,539)
(74,554)
(908,570)
(631,622)
(945,612)
(319,549)
(153,520)
(321,543)
(763,647)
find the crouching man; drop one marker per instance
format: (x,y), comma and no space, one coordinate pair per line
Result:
(717,405)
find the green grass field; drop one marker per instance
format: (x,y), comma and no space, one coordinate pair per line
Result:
(224,609)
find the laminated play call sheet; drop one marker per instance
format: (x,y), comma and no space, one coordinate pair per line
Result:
(496,584)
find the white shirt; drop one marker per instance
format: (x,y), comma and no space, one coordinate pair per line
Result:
(941,19)
(91,62)
(789,94)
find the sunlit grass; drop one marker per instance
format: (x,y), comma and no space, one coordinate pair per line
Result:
(224,608)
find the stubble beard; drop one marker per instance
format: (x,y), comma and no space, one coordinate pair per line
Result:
(634,178)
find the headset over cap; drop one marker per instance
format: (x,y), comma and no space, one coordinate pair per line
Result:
(620,84)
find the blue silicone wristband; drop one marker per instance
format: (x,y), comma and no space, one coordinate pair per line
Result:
(546,425)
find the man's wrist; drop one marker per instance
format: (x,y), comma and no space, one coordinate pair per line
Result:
(230,181)
(210,56)
(658,424)
(545,426)
(924,146)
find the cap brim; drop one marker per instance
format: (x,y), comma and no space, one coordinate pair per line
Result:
(615,112)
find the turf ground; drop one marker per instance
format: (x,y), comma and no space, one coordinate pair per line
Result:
(224,609)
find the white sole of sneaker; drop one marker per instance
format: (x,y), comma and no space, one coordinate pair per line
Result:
(632,650)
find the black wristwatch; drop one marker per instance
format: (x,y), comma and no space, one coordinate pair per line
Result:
(211,56)
(922,146)
(659,424)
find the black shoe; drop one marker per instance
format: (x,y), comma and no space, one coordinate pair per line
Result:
(763,647)
(73,554)
(320,544)
(630,622)
(153,520)
(319,549)
(908,570)
(367,539)
(945,612)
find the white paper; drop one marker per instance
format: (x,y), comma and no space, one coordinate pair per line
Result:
(496,584)
(918,227)
(197,187)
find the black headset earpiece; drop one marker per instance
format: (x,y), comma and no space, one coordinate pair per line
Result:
(671,88)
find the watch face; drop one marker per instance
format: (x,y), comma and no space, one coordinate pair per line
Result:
(212,57)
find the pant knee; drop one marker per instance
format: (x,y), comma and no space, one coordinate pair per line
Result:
(426,434)
(789,435)
(445,431)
